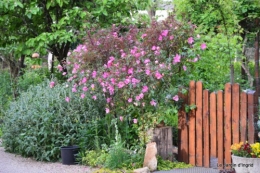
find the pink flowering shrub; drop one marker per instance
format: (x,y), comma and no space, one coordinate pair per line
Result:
(136,71)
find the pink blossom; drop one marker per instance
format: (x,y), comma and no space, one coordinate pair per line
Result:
(113,81)
(121,84)
(176,59)
(145,89)
(137,98)
(85,88)
(157,52)
(158,75)
(130,71)
(160,38)
(105,75)
(203,46)
(195,59)
(135,81)
(84,80)
(97,43)
(190,40)
(109,100)
(67,99)
(147,72)
(123,54)
(130,100)
(143,35)
(121,118)
(154,48)
(146,61)
(135,121)
(153,103)
(111,89)
(94,74)
(164,33)
(198,36)
(92,86)
(74,90)
(94,97)
(69,53)
(141,95)
(184,68)
(64,73)
(171,37)
(137,61)
(52,84)
(107,110)
(143,104)
(82,95)
(59,67)
(127,81)
(176,98)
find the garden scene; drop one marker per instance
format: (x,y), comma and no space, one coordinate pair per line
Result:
(115,86)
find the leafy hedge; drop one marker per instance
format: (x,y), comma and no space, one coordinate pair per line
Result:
(41,121)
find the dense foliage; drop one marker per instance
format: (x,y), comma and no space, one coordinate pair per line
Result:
(41,121)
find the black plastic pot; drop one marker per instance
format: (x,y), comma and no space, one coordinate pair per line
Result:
(68,154)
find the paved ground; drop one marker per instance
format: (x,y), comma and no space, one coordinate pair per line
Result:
(11,163)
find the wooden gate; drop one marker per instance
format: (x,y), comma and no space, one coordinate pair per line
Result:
(219,120)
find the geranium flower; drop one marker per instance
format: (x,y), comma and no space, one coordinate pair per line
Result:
(135,121)
(145,89)
(52,84)
(107,110)
(67,99)
(176,59)
(153,103)
(203,46)
(164,33)
(158,75)
(176,98)
(121,118)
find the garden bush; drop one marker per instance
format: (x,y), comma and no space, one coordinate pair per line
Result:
(45,118)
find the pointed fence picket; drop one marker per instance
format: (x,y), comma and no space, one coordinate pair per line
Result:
(219,120)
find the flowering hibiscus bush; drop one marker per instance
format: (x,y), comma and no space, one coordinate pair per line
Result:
(246,150)
(137,71)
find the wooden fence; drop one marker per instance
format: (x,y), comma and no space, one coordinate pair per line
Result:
(219,120)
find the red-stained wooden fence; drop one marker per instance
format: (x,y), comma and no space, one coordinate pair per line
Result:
(219,120)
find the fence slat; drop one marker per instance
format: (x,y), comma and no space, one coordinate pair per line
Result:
(206,128)
(220,124)
(199,124)
(183,154)
(235,112)
(251,125)
(192,125)
(227,124)
(243,117)
(213,125)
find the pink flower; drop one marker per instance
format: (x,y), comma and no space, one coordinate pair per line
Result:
(105,75)
(153,103)
(107,110)
(84,80)
(135,81)
(158,75)
(74,90)
(198,36)
(147,72)
(94,97)
(195,59)
(94,74)
(143,35)
(64,73)
(160,38)
(137,98)
(92,86)
(130,71)
(203,46)
(130,100)
(176,98)
(164,33)
(52,84)
(67,99)
(145,89)
(121,118)
(171,37)
(85,88)
(184,68)
(176,59)
(190,40)
(154,48)
(121,84)
(82,95)
(141,95)
(146,61)
(60,67)
(109,100)
(135,121)
(127,81)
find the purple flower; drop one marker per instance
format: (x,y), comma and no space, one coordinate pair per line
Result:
(176,59)
(190,40)
(176,98)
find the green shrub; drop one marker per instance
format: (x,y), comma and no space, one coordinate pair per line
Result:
(164,165)
(40,121)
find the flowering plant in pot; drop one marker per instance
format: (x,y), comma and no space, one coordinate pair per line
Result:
(246,157)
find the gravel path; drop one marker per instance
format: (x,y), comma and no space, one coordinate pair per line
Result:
(11,163)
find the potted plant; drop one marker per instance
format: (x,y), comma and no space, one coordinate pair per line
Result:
(246,157)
